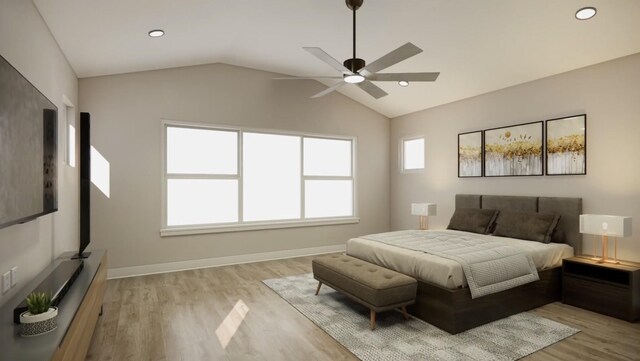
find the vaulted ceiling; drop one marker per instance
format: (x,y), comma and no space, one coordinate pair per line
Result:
(478,46)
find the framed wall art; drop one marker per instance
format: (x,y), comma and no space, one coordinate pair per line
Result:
(566,142)
(515,150)
(470,154)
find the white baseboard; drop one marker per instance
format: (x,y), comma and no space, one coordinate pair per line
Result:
(149,269)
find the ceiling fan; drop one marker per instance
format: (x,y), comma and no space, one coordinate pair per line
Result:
(356,71)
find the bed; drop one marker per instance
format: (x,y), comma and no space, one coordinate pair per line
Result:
(445,301)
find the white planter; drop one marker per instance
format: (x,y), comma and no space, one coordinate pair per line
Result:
(34,325)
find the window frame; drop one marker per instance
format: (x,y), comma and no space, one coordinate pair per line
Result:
(70,156)
(401,154)
(166,230)
(305,178)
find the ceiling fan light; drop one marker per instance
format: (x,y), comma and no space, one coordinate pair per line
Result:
(354,78)
(586,13)
(403,83)
(156,33)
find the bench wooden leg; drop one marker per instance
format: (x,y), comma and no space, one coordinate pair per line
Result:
(404,312)
(373,319)
(318,289)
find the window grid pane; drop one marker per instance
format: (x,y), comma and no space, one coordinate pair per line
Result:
(328,198)
(201,151)
(327,157)
(201,201)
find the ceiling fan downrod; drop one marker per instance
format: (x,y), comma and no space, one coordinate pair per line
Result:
(354,64)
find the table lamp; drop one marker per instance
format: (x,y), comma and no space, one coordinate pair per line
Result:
(606,226)
(424,210)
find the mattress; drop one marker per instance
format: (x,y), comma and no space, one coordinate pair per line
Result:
(444,272)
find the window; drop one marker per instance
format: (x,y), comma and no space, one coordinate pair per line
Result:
(270,177)
(328,184)
(219,179)
(202,201)
(412,151)
(70,132)
(202,180)
(71,146)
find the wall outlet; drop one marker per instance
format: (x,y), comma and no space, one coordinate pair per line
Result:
(6,281)
(14,276)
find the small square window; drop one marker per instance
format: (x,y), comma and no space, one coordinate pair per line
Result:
(412,154)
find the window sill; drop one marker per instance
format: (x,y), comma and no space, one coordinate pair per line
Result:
(254,226)
(410,171)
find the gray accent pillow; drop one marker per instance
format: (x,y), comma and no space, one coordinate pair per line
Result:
(474,220)
(530,226)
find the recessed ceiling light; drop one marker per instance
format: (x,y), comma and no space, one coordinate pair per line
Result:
(156,33)
(354,78)
(586,13)
(403,83)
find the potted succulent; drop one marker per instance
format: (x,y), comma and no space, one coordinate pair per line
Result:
(40,318)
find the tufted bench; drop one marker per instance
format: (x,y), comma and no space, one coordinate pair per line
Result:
(375,287)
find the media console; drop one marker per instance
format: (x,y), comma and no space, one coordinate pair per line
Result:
(56,284)
(78,314)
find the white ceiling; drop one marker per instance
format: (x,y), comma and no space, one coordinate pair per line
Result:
(478,46)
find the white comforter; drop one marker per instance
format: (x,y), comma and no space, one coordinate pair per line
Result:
(446,272)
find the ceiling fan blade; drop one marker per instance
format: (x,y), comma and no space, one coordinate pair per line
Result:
(404,52)
(404,76)
(322,55)
(306,77)
(329,89)
(372,89)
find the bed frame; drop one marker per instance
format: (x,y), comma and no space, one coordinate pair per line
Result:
(454,311)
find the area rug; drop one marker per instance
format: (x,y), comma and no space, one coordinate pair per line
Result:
(396,339)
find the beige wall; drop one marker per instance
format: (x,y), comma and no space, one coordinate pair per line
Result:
(126,111)
(609,93)
(25,41)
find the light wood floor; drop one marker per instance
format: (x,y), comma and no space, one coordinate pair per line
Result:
(190,315)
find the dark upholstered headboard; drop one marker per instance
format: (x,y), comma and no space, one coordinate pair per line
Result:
(569,210)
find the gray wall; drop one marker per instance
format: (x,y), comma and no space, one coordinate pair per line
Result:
(609,93)
(126,111)
(25,41)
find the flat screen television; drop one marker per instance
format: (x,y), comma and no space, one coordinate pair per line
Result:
(28,149)
(85,185)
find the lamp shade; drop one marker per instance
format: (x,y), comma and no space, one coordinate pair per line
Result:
(600,224)
(424,209)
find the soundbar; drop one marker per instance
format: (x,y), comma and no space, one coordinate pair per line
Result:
(57,284)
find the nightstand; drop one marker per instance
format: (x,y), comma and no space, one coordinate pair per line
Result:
(610,289)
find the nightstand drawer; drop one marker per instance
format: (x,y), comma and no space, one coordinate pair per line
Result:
(610,289)
(597,273)
(599,297)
